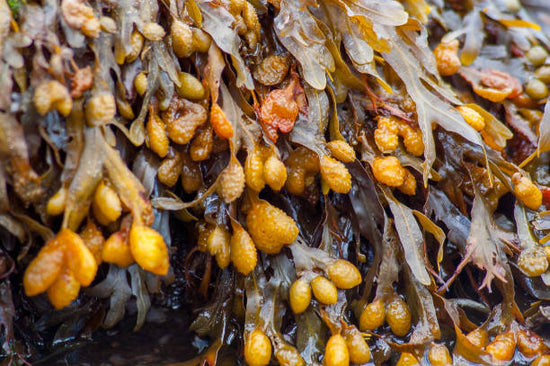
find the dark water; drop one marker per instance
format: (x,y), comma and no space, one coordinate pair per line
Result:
(163,339)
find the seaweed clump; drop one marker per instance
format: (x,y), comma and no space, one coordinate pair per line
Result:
(332,181)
